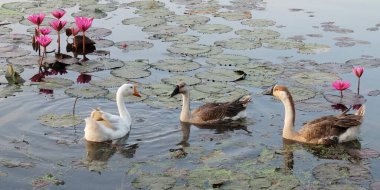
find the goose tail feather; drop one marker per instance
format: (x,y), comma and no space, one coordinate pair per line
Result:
(360,111)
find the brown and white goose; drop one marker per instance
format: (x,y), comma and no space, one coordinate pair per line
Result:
(325,130)
(210,113)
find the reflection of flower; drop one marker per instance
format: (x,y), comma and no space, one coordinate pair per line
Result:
(356,107)
(46,91)
(83,78)
(37,77)
(83,23)
(358,71)
(36,18)
(341,85)
(58,13)
(339,107)
(45,31)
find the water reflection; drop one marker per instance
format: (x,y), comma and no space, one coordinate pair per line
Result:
(218,128)
(98,153)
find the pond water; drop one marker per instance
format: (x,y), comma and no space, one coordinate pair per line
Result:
(318,42)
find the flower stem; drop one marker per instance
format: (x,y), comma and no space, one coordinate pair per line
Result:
(84,46)
(341,93)
(59,42)
(39,46)
(358,85)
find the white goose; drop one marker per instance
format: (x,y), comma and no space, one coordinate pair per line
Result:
(210,113)
(102,126)
(325,130)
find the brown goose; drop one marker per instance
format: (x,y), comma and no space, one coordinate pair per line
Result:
(210,112)
(325,130)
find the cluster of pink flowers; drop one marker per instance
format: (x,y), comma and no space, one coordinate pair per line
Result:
(343,85)
(83,23)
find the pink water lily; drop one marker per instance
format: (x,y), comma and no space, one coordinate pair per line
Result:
(74,31)
(341,85)
(358,71)
(58,25)
(45,31)
(43,40)
(37,18)
(58,13)
(83,23)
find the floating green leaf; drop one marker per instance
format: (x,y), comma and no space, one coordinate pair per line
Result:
(165,29)
(5,30)
(110,82)
(212,28)
(189,20)
(153,181)
(85,67)
(220,74)
(314,77)
(159,89)
(228,59)
(301,94)
(314,49)
(64,120)
(263,69)
(134,45)
(176,65)
(258,34)
(349,98)
(189,49)
(86,92)
(108,63)
(258,22)
(281,44)
(9,90)
(160,12)
(234,15)
(12,51)
(214,87)
(206,177)
(238,44)
(29,60)
(313,105)
(163,102)
(181,39)
(103,43)
(258,81)
(130,73)
(144,21)
(176,78)
(55,83)
(96,32)
(146,4)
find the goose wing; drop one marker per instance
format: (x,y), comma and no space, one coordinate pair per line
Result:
(105,119)
(220,111)
(328,126)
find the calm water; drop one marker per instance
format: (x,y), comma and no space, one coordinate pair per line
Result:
(38,150)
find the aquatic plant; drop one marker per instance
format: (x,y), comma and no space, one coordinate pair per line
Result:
(83,78)
(58,26)
(37,20)
(83,23)
(45,31)
(358,71)
(59,13)
(44,41)
(341,85)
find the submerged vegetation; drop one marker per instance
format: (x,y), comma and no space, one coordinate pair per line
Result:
(213,48)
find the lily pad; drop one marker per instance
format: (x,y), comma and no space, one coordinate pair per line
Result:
(97,14)
(55,83)
(263,69)
(189,20)
(331,173)
(364,62)
(189,49)
(313,105)
(12,51)
(220,74)
(258,22)
(109,82)
(181,39)
(64,120)
(301,94)
(108,63)
(314,49)
(214,87)
(176,78)
(146,4)
(144,21)
(15,38)
(137,64)
(86,92)
(176,65)
(5,31)
(103,43)
(212,28)
(349,98)
(281,44)
(85,67)
(29,60)
(257,34)
(234,15)
(238,44)
(314,77)
(100,7)
(134,45)
(204,7)
(229,96)
(206,177)
(228,60)
(163,102)
(159,12)
(153,181)
(165,29)
(259,81)
(96,32)
(9,90)
(130,73)
(159,89)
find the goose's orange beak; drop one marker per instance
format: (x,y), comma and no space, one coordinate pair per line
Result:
(135,92)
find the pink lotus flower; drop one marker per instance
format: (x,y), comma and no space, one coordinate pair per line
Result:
(57,24)
(45,31)
(58,13)
(43,40)
(358,71)
(341,85)
(83,23)
(36,18)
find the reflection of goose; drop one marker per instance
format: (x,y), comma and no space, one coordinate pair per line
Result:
(210,112)
(102,126)
(324,130)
